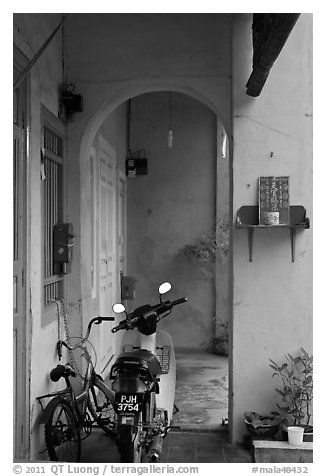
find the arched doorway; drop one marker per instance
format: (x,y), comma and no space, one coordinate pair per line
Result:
(217,143)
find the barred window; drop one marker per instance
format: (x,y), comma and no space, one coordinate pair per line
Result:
(52,174)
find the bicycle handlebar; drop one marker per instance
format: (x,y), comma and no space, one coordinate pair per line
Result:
(96,320)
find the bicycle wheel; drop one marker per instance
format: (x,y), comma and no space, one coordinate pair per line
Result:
(62,435)
(100,400)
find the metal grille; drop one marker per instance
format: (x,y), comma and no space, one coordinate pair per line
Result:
(52,142)
(53,290)
(52,199)
(163,354)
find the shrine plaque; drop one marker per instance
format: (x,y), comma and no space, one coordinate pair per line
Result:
(274,201)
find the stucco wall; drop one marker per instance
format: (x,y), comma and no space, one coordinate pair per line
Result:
(272,296)
(171,207)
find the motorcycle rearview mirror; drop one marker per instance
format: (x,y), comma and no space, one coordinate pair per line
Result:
(164,288)
(118,308)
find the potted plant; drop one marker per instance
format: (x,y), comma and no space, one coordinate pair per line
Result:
(296,375)
(209,251)
(262,426)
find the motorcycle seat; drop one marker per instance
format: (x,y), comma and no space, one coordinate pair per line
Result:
(142,357)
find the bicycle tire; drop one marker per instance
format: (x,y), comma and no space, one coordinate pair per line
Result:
(62,434)
(100,406)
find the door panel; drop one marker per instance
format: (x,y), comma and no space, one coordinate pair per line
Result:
(19,315)
(107,226)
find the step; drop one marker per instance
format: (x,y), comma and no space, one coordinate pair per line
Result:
(266,451)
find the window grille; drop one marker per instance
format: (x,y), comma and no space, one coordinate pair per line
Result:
(53,211)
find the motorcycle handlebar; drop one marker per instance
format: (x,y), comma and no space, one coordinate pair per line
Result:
(158,309)
(168,305)
(179,301)
(122,325)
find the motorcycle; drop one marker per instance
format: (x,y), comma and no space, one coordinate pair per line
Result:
(143,380)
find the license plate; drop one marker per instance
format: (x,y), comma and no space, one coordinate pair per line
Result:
(128,402)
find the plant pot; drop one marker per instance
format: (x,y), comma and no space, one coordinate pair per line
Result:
(266,429)
(221,345)
(307,434)
(295,435)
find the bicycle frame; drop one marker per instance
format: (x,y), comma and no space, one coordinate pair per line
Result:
(76,413)
(79,402)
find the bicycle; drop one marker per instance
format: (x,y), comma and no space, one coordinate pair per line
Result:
(66,415)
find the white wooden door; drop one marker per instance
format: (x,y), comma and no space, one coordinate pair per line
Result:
(19,278)
(107,246)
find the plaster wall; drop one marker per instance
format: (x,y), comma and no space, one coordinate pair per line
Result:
(272,135)
(171,207)
(223,306)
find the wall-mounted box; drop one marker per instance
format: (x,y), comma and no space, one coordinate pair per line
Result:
(136,167)
(62,243)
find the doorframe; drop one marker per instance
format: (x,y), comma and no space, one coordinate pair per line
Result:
(22,451)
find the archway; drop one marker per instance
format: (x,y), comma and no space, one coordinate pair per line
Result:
(125,94)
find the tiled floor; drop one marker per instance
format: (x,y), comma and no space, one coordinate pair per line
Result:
(202,398)
(202,447)
(201,390)
(178,447)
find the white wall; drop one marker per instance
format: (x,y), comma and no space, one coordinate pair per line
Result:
(171,207)
(272,296)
